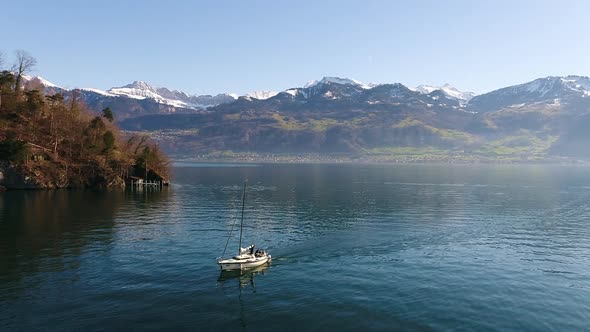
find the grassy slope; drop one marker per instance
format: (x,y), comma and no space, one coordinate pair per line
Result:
(449,142)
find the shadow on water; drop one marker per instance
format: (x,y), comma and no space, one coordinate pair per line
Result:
(49,231)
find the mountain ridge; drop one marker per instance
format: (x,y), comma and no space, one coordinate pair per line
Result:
(141,90)
(385,121)
(533,120)
(541,89)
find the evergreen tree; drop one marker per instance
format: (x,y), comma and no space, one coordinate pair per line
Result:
(108,114)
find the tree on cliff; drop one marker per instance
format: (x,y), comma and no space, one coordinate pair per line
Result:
(24,64)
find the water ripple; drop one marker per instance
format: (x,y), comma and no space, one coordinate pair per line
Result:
(356,247)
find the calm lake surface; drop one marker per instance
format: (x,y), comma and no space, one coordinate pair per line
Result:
(355,247)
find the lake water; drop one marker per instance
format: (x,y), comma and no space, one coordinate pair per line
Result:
(355,248)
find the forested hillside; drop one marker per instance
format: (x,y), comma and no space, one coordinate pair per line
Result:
(54,141)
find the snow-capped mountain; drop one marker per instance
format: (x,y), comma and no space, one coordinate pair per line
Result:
(336,80)
(578,83)
(552,89)
(140,98)
(261,95)
(139,90)
(327,88)
(142,90)
(337,87)
(342,93)
(39,83)
(548,86)
(449,90)
(39,80)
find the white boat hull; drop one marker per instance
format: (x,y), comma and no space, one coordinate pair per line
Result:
(242,264)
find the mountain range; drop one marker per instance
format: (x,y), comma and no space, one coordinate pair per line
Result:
(139,98)
(542,119)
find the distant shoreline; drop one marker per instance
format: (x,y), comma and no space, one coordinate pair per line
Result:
(248,159)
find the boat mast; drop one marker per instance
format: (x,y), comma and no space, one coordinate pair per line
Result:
(242,222)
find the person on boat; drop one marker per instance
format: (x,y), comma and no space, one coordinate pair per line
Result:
(252,250)
(259,253)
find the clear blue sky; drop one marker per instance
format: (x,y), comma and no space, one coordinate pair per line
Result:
(240,46)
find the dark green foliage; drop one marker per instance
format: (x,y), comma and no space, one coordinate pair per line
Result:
(34,101)
(7,97)
(13,150)
(55,99)
(6,78)
(97,124)
(151,163)
(109,141)
(108,114)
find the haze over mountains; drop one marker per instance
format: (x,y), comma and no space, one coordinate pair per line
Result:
(542,119)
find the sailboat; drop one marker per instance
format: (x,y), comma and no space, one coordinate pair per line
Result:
(246,258)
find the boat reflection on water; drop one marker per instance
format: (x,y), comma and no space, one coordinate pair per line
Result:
(244,277)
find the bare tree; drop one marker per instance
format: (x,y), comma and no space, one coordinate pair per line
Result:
(24,64)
